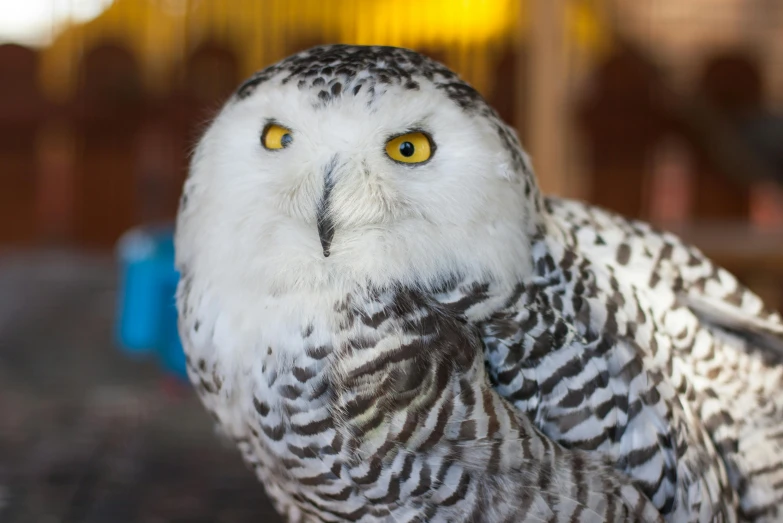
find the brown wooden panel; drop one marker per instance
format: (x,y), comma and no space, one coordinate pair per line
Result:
(22,111)
(506,91)
(108,112)
(622,118)
(209,76)
(731,85)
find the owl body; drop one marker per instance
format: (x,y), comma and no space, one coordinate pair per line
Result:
(378,408)
(392,323)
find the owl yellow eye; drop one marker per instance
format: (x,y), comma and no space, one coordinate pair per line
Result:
(276,137)
(410,148)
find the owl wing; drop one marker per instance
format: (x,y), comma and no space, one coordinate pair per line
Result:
(578,352)
(727,346)
(658,260)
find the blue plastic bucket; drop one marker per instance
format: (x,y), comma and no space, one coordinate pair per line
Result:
(147,315)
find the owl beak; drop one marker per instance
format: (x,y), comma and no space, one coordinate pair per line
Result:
(325,227)
(323,213)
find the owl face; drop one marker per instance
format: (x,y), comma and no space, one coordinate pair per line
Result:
(356,165)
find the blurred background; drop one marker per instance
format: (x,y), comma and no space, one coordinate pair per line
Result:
(670,111)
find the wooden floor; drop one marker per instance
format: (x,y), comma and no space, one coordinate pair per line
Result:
(87,435)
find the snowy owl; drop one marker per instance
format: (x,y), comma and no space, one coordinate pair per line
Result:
(392,323)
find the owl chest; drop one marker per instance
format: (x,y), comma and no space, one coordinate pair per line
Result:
(278,416)
(287,411)
(263,370)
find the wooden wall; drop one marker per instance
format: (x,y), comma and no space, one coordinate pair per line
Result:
(114,154)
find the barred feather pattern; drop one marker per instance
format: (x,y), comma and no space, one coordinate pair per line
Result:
(581,356)
(398,421)
(632,344)
(726,343)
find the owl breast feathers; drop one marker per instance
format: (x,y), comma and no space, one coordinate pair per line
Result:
(393,324)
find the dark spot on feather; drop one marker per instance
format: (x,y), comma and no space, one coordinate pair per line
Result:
(623,254)
(318,353)
(261,406)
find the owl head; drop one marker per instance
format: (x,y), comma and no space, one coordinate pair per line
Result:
(352,165)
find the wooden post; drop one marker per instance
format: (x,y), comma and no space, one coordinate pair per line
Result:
(546,109)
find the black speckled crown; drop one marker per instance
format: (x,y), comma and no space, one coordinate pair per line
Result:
(335,70)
